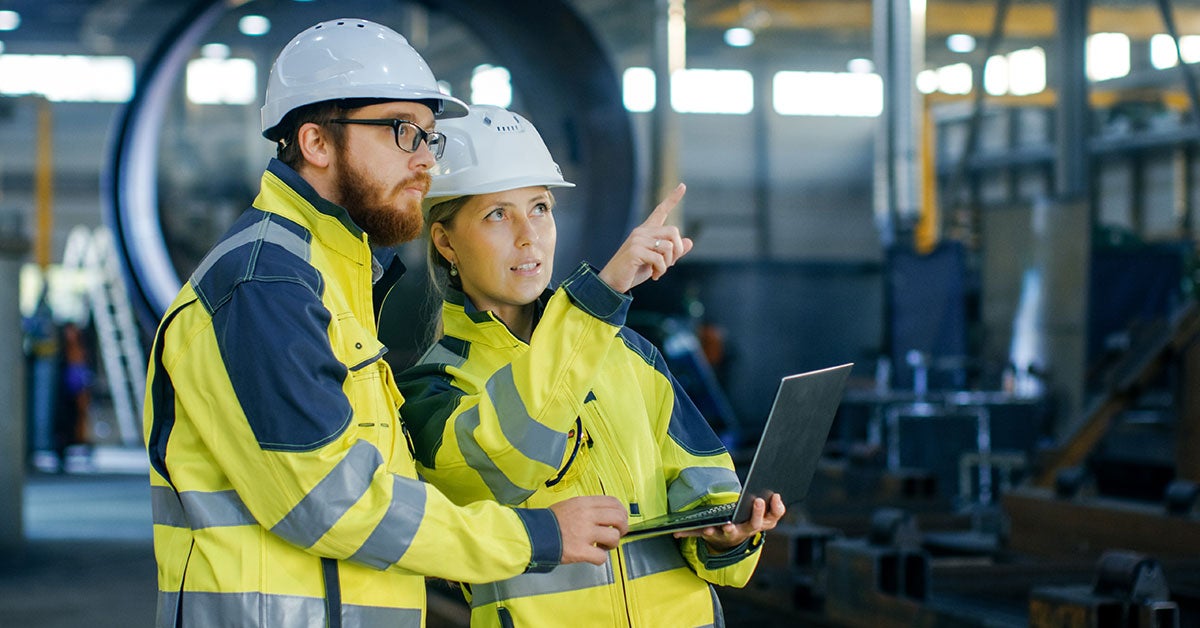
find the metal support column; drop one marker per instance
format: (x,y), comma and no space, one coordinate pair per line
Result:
(762,161)
(899,44)
(1064,227)
(1071,167)
(670,55)
(13,249)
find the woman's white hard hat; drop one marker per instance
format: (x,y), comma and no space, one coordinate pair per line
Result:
(350,58)
(491,149)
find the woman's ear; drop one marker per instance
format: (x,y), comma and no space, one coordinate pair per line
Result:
(314,144)
(441,241)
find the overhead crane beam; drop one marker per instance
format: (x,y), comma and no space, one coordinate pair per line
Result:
(1025,21)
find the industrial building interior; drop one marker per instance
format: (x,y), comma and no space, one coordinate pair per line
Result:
(989,206)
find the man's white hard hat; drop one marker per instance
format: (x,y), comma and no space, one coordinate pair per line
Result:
(491,150)
(350,58)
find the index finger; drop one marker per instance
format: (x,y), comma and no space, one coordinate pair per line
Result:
(658,217)
(614,518)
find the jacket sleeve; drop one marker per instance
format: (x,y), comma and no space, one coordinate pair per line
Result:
(502,438)
(699,471)
(270,404)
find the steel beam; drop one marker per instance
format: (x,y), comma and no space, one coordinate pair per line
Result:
(1045,526)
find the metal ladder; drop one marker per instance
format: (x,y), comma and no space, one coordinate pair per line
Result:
(116,330)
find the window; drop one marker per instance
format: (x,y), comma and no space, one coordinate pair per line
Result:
(491,85)
(692,91)
(828,94)
(1027,71)
(222,81)
(712,91)
(67,78)
(1162,50)
(637,87)
(1107,56)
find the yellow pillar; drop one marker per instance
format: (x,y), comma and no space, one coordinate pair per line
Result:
(928,230)
(44,184)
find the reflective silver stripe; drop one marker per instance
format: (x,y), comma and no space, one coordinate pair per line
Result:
(215,510)
(253,608)
(291,242)
(718,612)
(694,483)
(262,609)
(370,616)
(391,538)
(336,493)
(646,557)
(166,509)
(534,440)
(437,354)
(265,230)
(502,488)
(164,615)
(198,509)
(563,578)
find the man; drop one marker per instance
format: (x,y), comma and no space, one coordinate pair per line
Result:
(284,491)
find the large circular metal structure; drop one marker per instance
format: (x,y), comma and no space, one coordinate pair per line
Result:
(565,78)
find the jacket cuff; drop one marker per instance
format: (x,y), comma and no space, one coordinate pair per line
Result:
(545,539)
(728,557)
(589,293)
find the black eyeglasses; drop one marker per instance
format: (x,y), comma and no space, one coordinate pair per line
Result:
(408,135)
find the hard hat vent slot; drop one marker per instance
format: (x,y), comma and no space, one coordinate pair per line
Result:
(503,128)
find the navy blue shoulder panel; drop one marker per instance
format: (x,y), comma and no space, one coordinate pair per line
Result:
(688,427)
(272,328)
(259,245)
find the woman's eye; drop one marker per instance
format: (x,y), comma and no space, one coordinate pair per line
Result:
(495,214)
(541,209)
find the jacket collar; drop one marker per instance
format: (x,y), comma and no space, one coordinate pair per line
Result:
(463,320)
(300,186)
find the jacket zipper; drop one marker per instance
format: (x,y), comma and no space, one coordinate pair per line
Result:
(622,468)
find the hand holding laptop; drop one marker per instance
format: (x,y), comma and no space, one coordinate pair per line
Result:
(730,535)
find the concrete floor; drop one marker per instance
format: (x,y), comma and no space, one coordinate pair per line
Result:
(88,558)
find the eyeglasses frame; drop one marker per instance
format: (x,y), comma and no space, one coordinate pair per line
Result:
(437,145)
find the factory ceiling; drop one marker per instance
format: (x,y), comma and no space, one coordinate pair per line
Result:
(125,26)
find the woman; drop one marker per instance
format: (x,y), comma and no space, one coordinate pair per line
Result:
(531,397)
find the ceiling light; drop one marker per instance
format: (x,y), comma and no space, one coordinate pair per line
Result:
(860,66)
(254,25)
(960,43)
(9,20)
(739,37)
(214,51)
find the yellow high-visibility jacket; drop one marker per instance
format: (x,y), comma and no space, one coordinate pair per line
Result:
(284,490)
(587,407)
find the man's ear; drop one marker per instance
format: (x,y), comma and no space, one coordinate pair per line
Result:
(441,241)
(314,144)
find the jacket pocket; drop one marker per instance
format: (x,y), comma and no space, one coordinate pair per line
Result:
(367,382)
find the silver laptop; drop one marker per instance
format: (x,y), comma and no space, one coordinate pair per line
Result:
(787,455)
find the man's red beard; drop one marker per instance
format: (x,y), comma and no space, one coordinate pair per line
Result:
(366,204)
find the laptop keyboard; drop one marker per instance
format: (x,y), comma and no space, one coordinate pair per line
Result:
(705,513)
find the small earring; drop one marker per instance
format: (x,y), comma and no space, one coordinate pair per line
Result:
(453,269)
